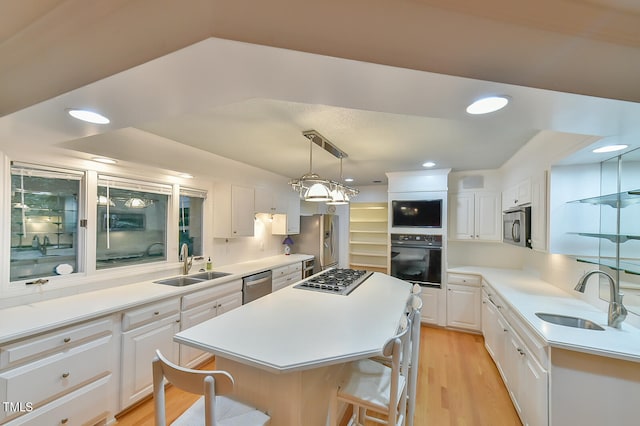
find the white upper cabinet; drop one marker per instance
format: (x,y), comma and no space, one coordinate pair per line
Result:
(287,223)
(233,211)
(539,211)
(475,216)
(267,201)
(517,195)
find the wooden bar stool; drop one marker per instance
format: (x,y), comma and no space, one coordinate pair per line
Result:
(212,409)
(373,386)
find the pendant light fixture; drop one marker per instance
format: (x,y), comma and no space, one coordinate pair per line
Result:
(312,187)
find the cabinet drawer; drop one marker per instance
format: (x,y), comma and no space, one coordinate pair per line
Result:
(147,314)
(56,375)
(210,294)
(80,407)
(39,346)
(463,279)
(279,272)
(295,267)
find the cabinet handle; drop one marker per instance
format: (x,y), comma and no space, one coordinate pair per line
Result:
(64,421)
(177,320)
(156,313)
(66,339)
(521,352)
(65,375)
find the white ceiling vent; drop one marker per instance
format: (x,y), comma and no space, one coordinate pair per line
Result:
(473,182)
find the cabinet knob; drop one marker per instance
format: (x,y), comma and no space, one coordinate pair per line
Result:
(65,375)
(66,339)
(521,352)
(156,313)
(64,421)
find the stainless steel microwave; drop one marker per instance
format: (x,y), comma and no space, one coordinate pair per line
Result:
(516,226)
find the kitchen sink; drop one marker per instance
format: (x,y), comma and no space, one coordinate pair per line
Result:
(569,321)
(180,281)
(209,275)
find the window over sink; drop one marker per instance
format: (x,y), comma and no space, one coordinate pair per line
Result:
(132,222)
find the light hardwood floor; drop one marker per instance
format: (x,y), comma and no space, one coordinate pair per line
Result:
(458,385)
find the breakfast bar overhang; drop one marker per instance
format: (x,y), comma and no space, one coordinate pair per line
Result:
(286,350)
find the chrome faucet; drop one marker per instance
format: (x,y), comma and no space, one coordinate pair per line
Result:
(186,261)
(617,311)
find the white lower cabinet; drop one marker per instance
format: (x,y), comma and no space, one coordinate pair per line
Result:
(463,301)
(519,358)
(430,302)
(286,275)
(53,378)
(146,329)
(203,305)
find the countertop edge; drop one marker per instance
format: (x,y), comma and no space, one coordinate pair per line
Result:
(49,321)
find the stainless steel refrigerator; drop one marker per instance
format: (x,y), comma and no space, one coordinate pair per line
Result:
(318,237)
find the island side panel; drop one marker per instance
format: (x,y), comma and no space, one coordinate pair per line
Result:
(293,398)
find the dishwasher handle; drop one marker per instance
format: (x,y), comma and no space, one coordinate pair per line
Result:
(253,283)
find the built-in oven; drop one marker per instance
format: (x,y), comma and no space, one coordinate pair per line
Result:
(417,258)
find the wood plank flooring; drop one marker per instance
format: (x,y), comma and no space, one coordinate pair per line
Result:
(459,385)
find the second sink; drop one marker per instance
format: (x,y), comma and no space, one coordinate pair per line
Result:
(210,275)
(569,321)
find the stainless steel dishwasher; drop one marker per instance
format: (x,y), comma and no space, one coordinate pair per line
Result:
(255,286)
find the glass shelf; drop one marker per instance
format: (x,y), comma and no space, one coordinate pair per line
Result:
(625,198)
(614,238)
(625,266)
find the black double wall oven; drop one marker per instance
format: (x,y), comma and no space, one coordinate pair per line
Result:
(417,258)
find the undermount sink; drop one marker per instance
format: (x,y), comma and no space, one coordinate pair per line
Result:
(184,280)
(210,275)
(569,321)
(179,281)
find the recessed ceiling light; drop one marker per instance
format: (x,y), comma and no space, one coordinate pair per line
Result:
(88,116)
(428,164)
(610,148)
(348,179)
(488,104)
(186,176)
(104,160)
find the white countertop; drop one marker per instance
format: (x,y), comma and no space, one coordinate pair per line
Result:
(29,319)
(527,295)
(296,329)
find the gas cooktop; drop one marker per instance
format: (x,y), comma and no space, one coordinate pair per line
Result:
(336,281)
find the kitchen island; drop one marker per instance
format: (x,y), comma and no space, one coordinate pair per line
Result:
(286,350)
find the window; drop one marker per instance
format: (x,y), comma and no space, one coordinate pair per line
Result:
(191,218)
(44,221)
(131,222)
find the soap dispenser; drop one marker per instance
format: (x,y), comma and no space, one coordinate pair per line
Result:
(209,264)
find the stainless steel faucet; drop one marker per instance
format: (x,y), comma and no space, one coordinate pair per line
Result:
(617,311)
(186,261)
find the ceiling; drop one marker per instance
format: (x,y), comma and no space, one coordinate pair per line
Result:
(382,96)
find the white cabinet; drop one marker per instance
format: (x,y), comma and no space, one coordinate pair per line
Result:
(201,306)
(146,329)
(287,221)
(520,358)
(464,301)
(266,201)
(286,275)
(53,371)
(233,211)
(539,212)
(475,216)
(517,195)
(430,303)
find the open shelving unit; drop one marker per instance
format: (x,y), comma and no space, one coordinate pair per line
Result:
(368,236)
(619,200)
